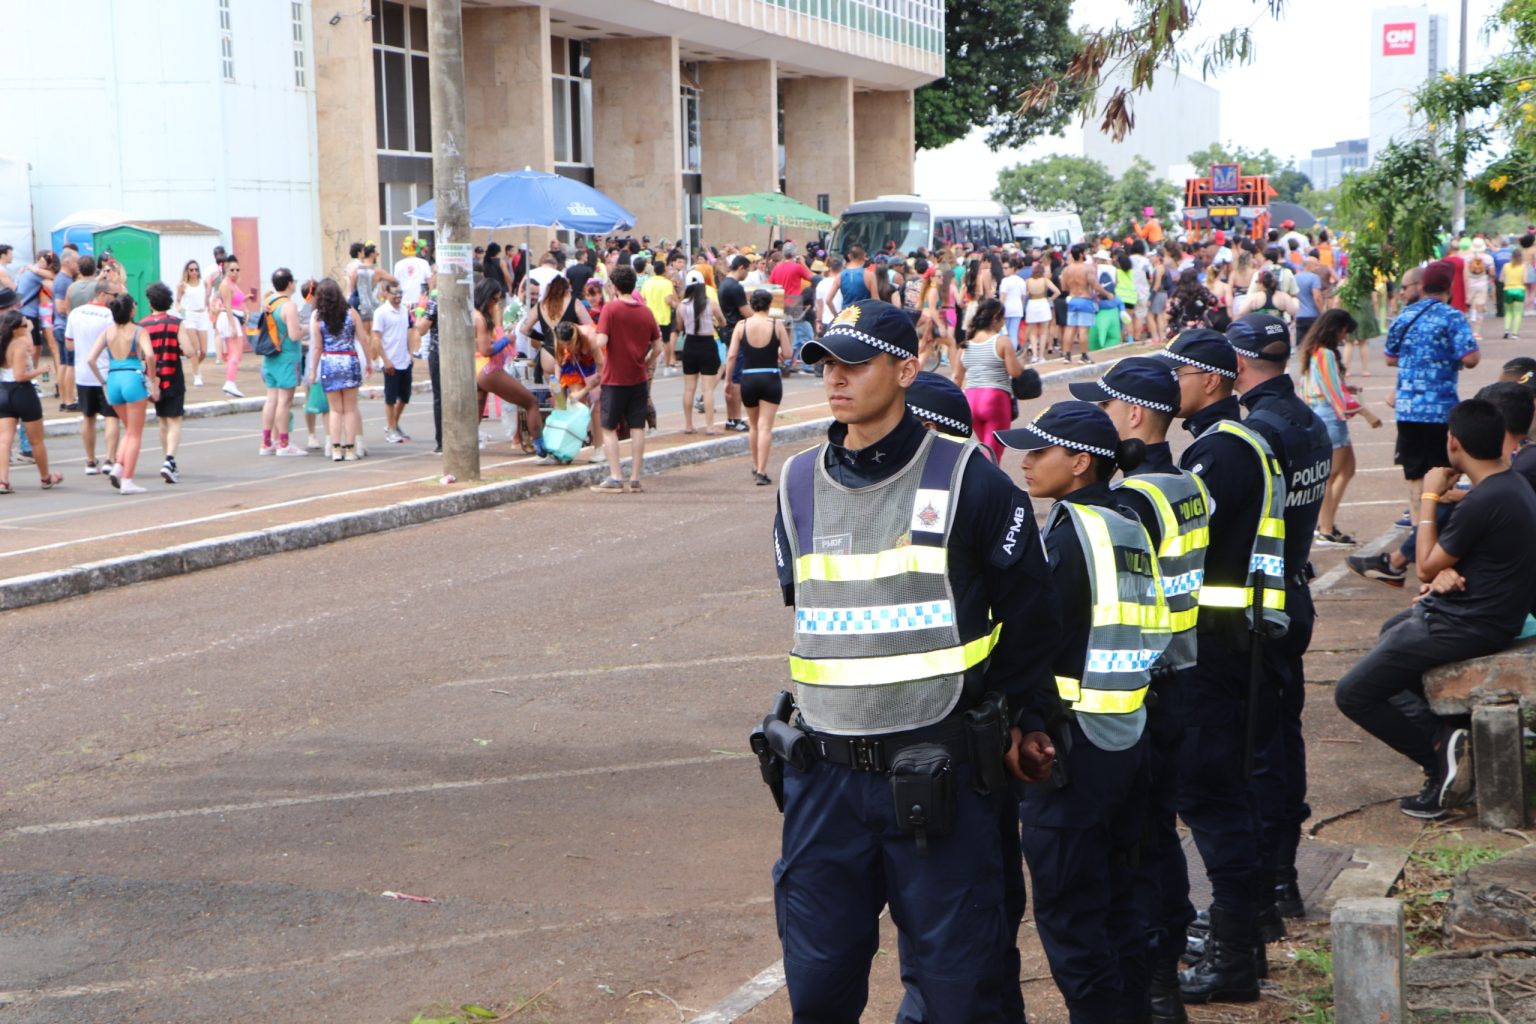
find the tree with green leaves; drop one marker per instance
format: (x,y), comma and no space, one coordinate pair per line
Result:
(994,50)
(1138,188)
(1074,183)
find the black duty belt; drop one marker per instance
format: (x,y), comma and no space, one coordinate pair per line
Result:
(875,753)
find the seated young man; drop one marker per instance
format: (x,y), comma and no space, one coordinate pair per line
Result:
(1478,582)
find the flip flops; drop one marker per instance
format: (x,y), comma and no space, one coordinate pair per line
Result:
(50,481)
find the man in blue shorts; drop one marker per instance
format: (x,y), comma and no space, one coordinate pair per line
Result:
(1081,284)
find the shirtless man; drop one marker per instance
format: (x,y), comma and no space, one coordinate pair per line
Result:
(1080,283)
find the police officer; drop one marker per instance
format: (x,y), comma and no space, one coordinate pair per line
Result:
(940,405)
(1082,828)
(1300,441)
(921,598)
(1141,396)
(1241,604)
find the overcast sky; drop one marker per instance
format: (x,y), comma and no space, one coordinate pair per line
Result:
(1307,87)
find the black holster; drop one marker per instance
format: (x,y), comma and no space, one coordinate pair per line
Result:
(988,739)
(923,788)
(777,743)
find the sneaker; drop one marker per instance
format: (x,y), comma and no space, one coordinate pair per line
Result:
(168,474)
(336,455)
(292,451)
(401,436)
(1406,519)
(93,468)
(1456,767)
(1377,567)
(1427,803)
(265,449)
(698,405)
(351,456)
(437,449)
(232,391)
(197,380)
(1335,538)
(361,448)
(313,444)
(762,479)
(115,476)
(389,437)
(129,487)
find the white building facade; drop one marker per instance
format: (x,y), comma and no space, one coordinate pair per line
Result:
(1408,45)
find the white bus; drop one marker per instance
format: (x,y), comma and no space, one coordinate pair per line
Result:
(1033,228)
(912,222)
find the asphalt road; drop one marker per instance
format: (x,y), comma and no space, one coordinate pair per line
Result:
(534,715)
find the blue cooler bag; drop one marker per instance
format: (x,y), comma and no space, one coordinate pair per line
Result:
(565,431)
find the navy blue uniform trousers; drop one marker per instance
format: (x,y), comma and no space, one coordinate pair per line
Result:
(1162,876)
(844,859)
(1280,766)
(1215,800)
(1079,842)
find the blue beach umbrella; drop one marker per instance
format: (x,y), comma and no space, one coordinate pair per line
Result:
(533,199)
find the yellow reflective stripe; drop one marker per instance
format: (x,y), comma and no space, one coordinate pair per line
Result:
(1269,469)
(895,668)
(1175,546)
(1101,563)
(1272,528)
(1128,613)
(1180,621)
(1099,702)
(1239,597)
(891,562)
(1170,522)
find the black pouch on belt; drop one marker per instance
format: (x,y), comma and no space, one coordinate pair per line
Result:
(923,787)
(988,739)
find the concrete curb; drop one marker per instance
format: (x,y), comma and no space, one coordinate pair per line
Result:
(78,580)
(204,410)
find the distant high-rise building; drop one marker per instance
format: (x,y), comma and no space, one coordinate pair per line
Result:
(1408,47)
(1326,168)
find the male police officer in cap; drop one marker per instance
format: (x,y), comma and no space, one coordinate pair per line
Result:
(1300,441)
(1221,701)
(1141,396)
(922,599)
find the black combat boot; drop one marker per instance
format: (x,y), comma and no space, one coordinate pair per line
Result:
(1288,893)
(1163,985)
(1228,971)
(1194,945)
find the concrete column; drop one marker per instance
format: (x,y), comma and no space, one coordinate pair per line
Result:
(738,138)
(1498,765)
(636,107)
(346,139)
(883,143)
(507,101)
(1369,986)
(818,140)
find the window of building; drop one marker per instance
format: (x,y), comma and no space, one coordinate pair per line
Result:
(402,108)
(691,132)
(396,200)
(226,41)
(300,77)
(693,214)
(571,87)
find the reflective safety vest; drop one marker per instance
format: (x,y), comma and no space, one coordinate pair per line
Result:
(1183,508)
(1129,630)
(879,645)
(1266,561)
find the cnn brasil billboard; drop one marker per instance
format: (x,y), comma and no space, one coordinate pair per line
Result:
(1398,39)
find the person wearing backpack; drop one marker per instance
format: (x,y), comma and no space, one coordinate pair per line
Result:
(274,339)
(366,280)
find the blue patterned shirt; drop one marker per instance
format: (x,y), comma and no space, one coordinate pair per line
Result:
(1429,339)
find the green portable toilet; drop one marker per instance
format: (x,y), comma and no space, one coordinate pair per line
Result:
(155,250)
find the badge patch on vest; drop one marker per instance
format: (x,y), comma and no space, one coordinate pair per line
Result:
(836,544)
(930,510)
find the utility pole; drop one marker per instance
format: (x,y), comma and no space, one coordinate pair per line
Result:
(453,244)
(1459,210)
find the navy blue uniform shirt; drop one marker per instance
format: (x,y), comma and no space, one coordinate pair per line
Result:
(995,556)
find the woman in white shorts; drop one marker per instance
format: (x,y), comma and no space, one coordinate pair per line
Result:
(1039,309)
(192,306)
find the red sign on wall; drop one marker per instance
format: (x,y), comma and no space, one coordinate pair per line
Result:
(1398,39)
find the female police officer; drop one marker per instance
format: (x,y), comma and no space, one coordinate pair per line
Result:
(921,593)
(1081,829)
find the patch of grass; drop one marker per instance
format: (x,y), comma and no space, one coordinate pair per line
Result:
(1309,984)
(1426,886)
(519,1008)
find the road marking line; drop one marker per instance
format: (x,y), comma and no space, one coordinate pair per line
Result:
(363,794)
(740,1002)
(24,997)
(1384,501)
(1338,572)
(645,666)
